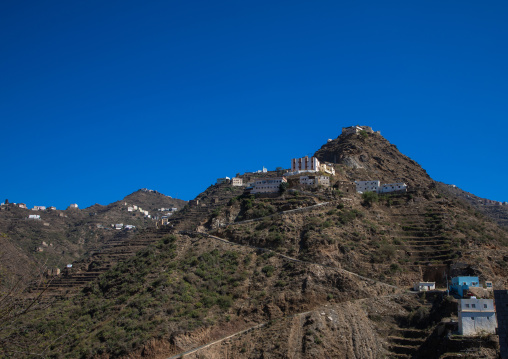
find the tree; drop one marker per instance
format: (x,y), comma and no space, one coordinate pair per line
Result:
(369,198)
(283,187)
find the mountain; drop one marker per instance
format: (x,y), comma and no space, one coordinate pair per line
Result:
(495,210)
(61,237)
(372,157)
(309,272)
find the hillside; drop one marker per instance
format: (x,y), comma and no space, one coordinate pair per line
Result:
(61,237)
(373,158)
(306,273)
(492,209)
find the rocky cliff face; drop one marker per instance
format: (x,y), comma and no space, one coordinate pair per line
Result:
(372,157)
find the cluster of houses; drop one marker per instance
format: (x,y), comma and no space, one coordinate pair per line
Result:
(134,208)
(315,174)
(358,129)
(476,316)
(120,226)
(376,186)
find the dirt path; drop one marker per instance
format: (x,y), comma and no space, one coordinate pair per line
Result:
(296,317)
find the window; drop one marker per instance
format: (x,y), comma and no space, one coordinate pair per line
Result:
(467,305)
(485,305)
(473,305)
(472,318)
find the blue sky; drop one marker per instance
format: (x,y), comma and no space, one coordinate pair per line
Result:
(101,98)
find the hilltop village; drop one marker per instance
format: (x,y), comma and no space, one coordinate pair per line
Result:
(351,252)
(308,172)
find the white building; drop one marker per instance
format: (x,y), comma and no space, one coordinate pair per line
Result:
(424,286)
(328,168)
(305,164)
(236,181)
(73,205)
(174,209)
(307,180)
(315,180)
(268,185)
(34,216)
(52,208)
(22,205)
(39,208)
(135,207)
(223,180)
(130,226)
(477,316)
(393,187)
(119,226)
(130,209)
(367,186)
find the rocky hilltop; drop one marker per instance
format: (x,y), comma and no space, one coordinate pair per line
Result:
(370,156)
(305,273)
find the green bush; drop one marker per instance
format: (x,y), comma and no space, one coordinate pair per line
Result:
(369,198)
(268,270)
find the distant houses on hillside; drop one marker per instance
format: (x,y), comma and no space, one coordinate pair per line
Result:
(375,186)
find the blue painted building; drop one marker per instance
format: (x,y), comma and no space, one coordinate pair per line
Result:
(461,285)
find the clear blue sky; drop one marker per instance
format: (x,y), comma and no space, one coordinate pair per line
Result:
(101,98)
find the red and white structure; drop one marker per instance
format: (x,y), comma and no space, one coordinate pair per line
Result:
(305,164)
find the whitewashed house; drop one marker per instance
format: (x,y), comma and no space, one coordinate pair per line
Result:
(237,181)
(268,185)
(130,226)
(477,316)
(305,164)
(367,186)
(393,187)
(119,226)
(73,205)
(39,208)
(130,209)
(424,286)
(22,205)
(34,216)
(328,168)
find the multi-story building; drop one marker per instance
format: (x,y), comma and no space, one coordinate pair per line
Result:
(367,186)
(477,316)
(305,164)
(267,185)
(315,180)
(237,181)
(39,208)
(375,186)
(393,187)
